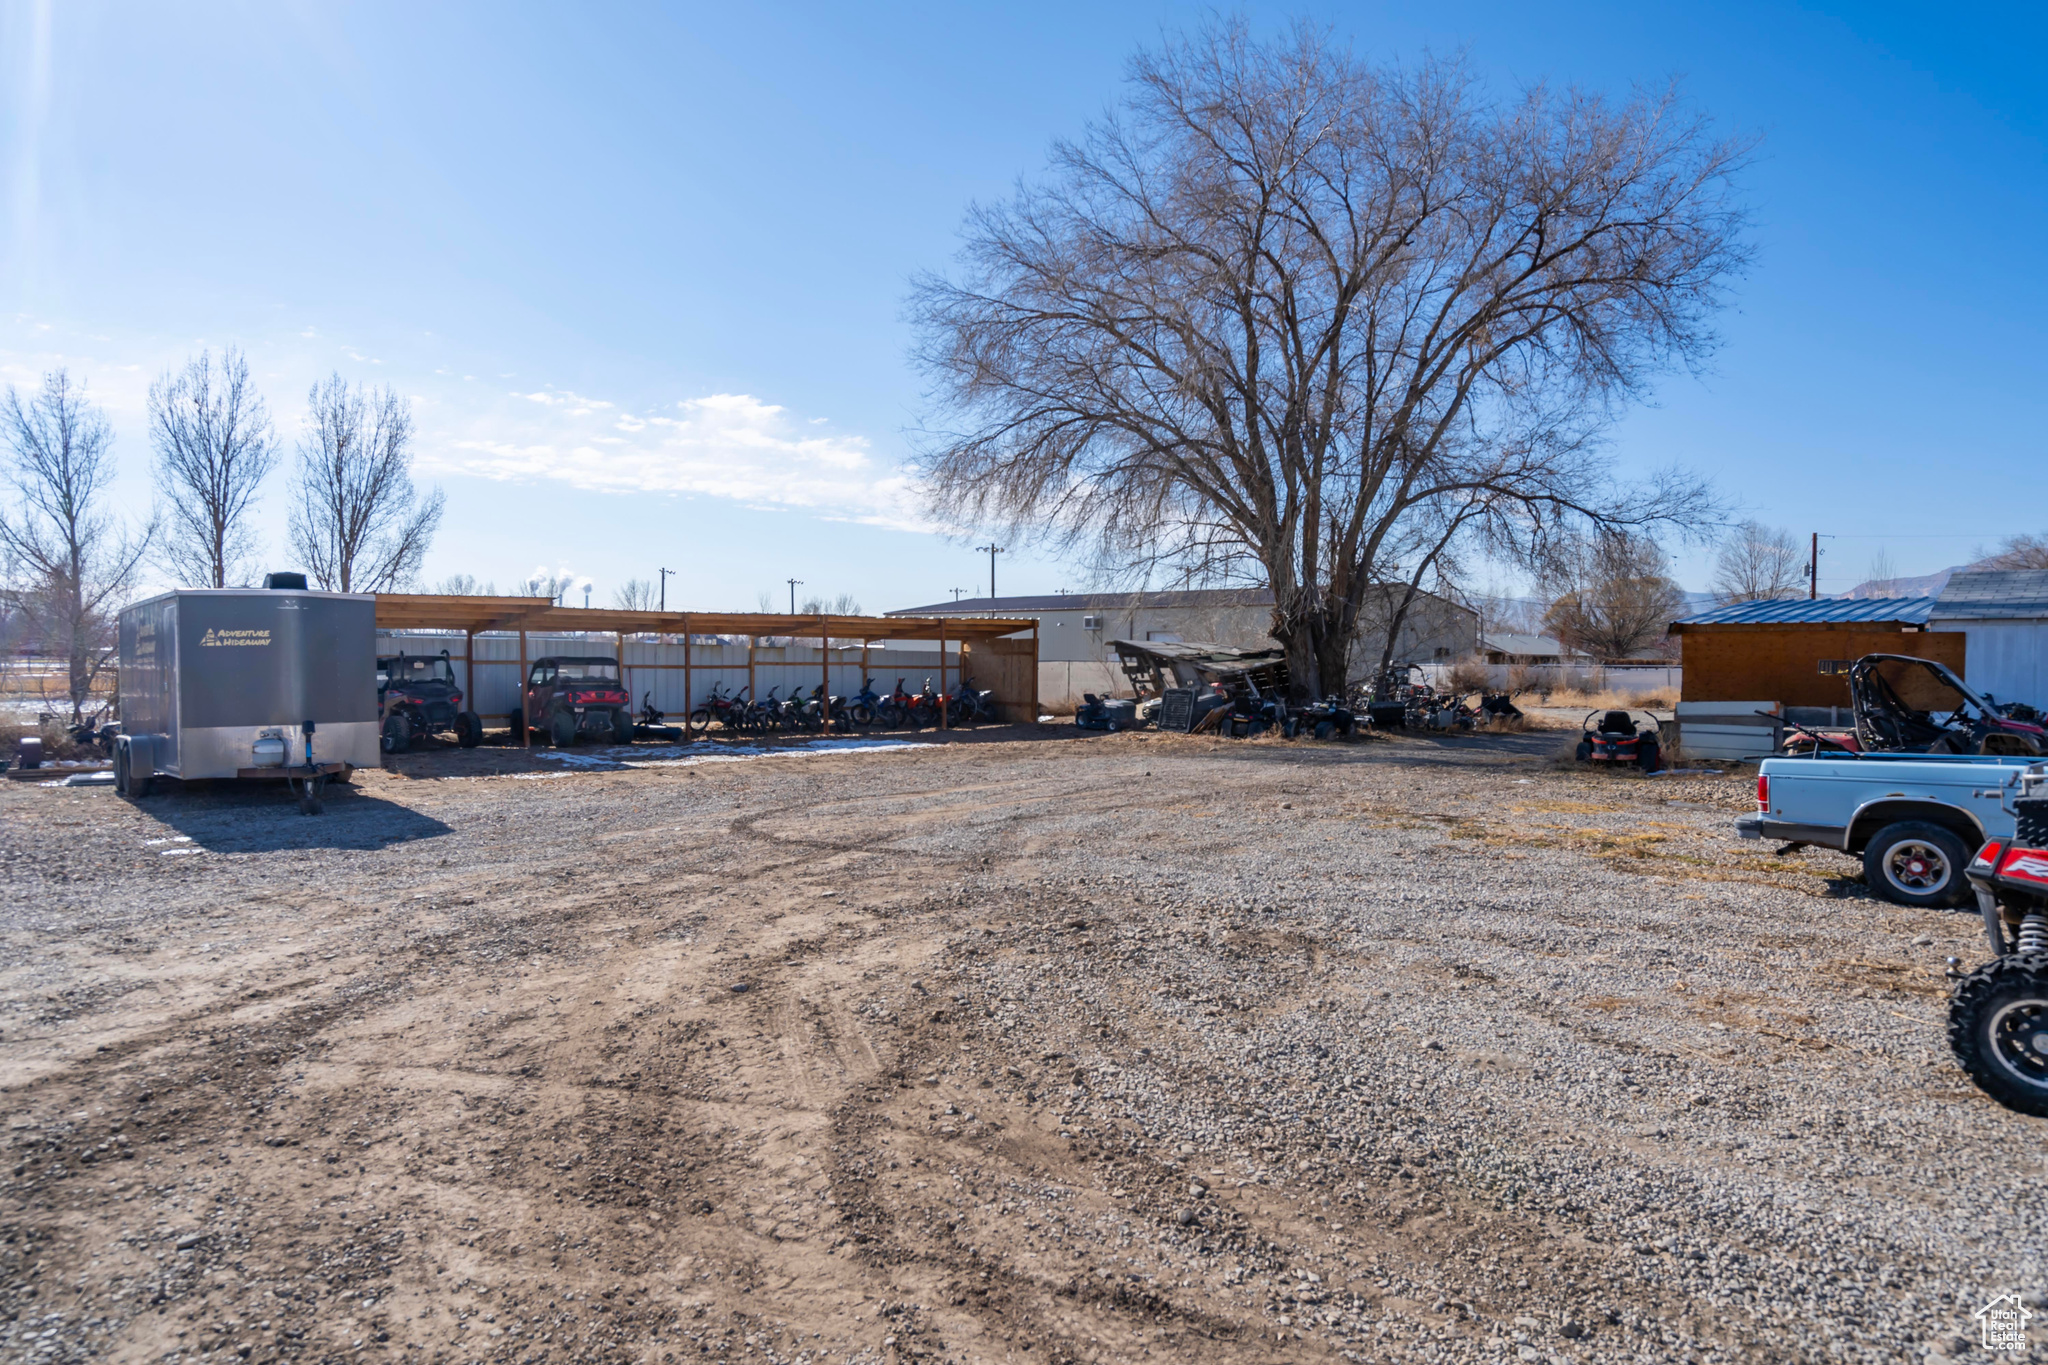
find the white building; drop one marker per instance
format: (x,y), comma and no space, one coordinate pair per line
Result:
(2003,613)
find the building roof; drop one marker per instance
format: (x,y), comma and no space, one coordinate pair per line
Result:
(1095,601)
(1994,594)
(1533,646)
(1804,611)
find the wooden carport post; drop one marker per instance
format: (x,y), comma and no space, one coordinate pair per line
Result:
(689,697)
(625,683)
(525,727)
(825,672)
(752,695)
(469,669)
(943,724)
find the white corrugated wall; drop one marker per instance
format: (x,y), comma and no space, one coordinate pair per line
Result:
(2008,659)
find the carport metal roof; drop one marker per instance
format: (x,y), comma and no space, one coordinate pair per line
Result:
(540,615)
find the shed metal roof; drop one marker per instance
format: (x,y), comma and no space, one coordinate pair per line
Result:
(1803,611)
(1994,594)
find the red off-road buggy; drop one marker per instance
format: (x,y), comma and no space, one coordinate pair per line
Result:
(1617,739)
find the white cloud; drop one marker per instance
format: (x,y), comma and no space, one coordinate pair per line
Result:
(723,445)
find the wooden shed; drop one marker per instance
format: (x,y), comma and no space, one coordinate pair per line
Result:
(1797,651)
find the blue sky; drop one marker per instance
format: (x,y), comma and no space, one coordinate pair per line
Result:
(642,268)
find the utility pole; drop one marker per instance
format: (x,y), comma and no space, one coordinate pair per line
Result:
(993,550)
(664,586)
(792,594)
(1813,568)
(956,593)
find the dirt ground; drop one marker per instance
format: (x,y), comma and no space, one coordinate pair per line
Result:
(1033,1047)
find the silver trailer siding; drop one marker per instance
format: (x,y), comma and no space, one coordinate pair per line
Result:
(206,673)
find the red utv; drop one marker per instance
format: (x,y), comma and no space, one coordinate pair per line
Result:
(568,698)
(417,695)
(1904,704)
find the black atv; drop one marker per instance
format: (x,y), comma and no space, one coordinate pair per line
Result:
(1998,1014)
(417,695)
(1617,739)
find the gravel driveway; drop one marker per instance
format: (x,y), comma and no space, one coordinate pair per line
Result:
(1036,1047)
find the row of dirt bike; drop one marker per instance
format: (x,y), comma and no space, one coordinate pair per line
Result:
(816,711)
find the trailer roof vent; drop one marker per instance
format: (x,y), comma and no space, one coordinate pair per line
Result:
(285,580)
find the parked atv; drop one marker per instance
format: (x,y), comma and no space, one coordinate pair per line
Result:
(1617,739)
(1998,1014)
(417,695)
(569,698)
(1918,706)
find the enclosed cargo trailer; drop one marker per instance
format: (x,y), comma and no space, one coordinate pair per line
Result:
(248,683)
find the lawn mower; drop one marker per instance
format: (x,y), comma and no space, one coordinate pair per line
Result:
(1617,739)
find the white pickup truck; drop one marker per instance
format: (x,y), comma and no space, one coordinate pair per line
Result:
(1914,819)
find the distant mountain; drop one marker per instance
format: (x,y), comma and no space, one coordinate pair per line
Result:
(1926,585)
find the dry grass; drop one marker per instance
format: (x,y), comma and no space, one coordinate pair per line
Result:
(57,742)
(1609,700)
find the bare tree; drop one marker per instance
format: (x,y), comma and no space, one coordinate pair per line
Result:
(635,594)
(1758,563)
(1283,308)
(1610,595)
(68,563)
(465,585)
(214,448)
(843,605)
(2019,552)
(550,583)
(356,522)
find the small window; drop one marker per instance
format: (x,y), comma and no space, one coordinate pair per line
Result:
(1834,666)
(1091,623)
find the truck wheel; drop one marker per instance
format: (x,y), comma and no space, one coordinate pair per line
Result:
(1916,863)
(1998,1030)
(622,728)
(562,729)
(397,734)
(469,729)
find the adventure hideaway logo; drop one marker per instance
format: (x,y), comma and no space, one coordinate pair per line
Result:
(234,637)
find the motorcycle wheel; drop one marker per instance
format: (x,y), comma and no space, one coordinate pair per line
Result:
(923,715)
(862,716)
(889,716)
(1998,1030)
(700,720)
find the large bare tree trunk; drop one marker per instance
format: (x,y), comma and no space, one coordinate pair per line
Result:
(1284,313)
